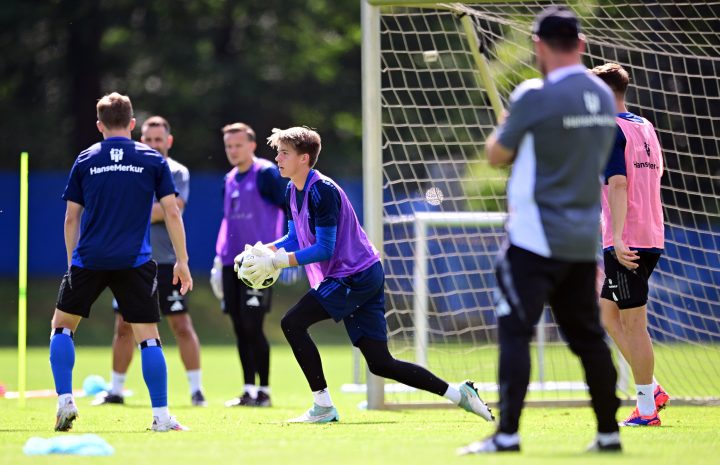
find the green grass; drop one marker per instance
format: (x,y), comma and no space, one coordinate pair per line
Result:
(258,436)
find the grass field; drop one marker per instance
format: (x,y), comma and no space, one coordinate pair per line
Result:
(689,435)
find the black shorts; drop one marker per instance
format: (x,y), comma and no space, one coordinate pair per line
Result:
(528,281)
(171,301)
(239,298)
(135,290)
(628,288)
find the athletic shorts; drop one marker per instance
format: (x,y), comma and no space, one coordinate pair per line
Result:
(628,288)
(171,301)
(358,300)
(135,289)
(239,298)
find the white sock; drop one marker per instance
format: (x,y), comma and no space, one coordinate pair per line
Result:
(322,398)
(265,389)
(64,399)
(608,438)
(117,383)
(195,379)
(162,413)
(645,399)
(453,395)
(655,384)
(251,389)
(507,440)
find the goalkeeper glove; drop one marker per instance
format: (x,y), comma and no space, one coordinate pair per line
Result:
(239,258)
(216,278)
(258,267)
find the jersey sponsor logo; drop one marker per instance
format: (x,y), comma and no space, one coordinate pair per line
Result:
(592,105)
(253,302)
(116,155)
(115,168)
(646,164)
(586,121)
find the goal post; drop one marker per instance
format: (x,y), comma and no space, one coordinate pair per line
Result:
(435,77)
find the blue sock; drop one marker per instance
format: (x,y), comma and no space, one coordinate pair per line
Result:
(154,371)
(62,359)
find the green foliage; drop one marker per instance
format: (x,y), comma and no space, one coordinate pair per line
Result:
(200,63)
(485,186)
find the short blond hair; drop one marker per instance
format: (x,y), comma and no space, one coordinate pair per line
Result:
(239,127)
(114,111)
(302,139)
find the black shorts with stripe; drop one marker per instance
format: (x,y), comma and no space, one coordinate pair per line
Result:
(135,289)
(628,288)
(240,298)
(171,301)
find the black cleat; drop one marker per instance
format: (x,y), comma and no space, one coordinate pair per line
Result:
(245,400)
(198,399)
(107,398)
(263,400)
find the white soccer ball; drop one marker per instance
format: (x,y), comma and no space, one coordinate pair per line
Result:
(264,282)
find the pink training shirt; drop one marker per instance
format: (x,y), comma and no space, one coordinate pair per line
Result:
(644,228)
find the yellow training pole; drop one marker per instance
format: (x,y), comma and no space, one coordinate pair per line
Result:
(22,280)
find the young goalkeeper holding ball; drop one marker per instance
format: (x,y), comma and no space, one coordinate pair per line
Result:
(346,279)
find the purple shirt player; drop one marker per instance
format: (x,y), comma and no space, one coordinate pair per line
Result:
(346,277)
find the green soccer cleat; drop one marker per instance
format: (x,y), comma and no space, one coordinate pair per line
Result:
(471,401)
(317,414)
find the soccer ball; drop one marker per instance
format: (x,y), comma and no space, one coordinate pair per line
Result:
(261,283)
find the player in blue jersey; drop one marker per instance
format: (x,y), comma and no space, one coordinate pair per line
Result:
(346,277)
(173,305)
(109,198)
(253,197)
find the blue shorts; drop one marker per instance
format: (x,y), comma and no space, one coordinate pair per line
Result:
(358,300)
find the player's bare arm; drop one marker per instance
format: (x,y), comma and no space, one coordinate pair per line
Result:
(497,154)
(617,200)
(158,214)
(73,213)
(176,230)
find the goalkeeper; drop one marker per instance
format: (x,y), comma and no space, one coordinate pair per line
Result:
(346,277)
(252,210)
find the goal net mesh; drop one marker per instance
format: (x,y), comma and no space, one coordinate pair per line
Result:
(436,113)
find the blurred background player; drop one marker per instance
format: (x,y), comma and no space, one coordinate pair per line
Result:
(633,240)
(557,135)
(109,197)
(253,196)
(173,305)
(346,277)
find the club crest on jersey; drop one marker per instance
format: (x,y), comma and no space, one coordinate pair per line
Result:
(592,102)
(116,155)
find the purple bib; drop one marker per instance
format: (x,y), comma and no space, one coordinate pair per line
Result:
(248,217)
(353,250)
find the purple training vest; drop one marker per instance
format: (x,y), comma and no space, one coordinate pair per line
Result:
(353,250)
(248,217)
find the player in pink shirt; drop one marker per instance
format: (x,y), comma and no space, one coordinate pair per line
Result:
(633,240)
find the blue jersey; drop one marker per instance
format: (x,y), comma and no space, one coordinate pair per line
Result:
(116,181)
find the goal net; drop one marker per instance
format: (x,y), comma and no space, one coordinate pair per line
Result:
(434,79)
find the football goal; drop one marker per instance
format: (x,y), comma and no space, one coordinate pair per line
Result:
(435,78)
